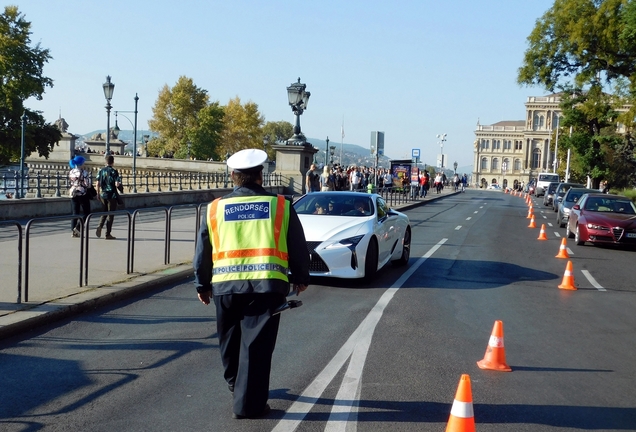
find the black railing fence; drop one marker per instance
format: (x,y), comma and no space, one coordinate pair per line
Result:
(56,183)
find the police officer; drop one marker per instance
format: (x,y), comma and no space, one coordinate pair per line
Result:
(249,250)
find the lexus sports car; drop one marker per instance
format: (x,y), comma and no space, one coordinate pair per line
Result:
(602,218)
(352,234)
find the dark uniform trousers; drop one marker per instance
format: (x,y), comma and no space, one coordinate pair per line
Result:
(247,336)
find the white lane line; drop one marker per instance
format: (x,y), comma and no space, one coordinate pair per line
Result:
(469,218)
(481,207)
(556,233)
(476,211)
(358,346)
(458,227)
(592,280)
(550,224)
(569,251)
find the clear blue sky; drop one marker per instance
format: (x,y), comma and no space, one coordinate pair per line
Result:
(410,68)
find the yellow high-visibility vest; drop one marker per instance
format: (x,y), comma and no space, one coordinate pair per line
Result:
(249,238)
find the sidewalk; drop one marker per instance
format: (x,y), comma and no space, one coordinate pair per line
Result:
(53,279)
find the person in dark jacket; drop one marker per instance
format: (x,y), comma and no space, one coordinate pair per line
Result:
(242,266)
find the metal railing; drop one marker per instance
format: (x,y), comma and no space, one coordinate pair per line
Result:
(56,183)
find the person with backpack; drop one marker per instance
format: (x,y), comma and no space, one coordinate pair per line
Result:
(108,187)
(79,192)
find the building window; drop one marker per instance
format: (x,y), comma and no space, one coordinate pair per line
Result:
(539,121)
(485,144)
(484,163)
(536,158)
(495,163)
(517,164)
(507,144)
(496,144)
(506,165)
(518,145)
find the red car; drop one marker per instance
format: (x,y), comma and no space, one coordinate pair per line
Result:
(603,219)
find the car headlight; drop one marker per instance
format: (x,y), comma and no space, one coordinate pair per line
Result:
(597,227)
(350,242)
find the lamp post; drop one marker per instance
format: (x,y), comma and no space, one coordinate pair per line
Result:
(116,132)
(455,167)
(442,137)
(298,99)
(109,88)
(21,194)
(326,149)
(332,150)
(189,147)
(556,146)
(227,168)
(504,167)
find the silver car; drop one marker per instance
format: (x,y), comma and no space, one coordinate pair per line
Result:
(570,198)
(560,191)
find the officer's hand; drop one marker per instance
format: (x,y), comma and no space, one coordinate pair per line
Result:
(205,297)
(299,288)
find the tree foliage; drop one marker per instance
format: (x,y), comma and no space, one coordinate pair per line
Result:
(243,126)
(277,133)
(21,78)
(185,121)
(580,46)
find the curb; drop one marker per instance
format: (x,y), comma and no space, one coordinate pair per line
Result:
(29,319)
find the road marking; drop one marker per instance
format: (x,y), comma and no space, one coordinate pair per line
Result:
(469,218)
(592,280)
(476,211)
(481,207)
(569,251)
(356,347)
(458,227)
(557,234)
(549,224)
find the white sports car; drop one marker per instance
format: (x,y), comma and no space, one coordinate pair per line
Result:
(352,234)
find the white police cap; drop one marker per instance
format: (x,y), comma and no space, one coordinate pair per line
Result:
(247,160)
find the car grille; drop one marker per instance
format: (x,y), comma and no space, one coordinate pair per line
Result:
(316,264)
(618,233)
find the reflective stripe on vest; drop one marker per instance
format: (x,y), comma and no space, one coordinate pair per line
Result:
(251,243)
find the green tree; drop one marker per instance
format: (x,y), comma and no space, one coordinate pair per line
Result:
(176,117)
(243,126)
(277,133)
(21,78)
(205,138)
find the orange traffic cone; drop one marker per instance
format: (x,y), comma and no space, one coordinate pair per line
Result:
(495,357)
(530,212)
(461,417)
(542,235)
(563,251)
(532,224)
(568,278)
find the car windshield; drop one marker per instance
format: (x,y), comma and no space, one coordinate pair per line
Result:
(336,204)
(609,205)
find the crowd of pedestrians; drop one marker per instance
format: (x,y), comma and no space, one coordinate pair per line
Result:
(362,178)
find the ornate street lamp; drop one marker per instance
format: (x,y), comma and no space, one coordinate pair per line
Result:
(109,88)
(146,139)
(227,168)
(326,150)
(332,149)
(455,167)
(298,99)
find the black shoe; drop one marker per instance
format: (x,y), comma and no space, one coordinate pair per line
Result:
(263,413)
(98,232)
(110,237)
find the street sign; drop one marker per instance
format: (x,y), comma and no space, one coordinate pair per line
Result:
(377,143)
(415,153)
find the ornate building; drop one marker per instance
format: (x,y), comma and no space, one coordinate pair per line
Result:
(511,152)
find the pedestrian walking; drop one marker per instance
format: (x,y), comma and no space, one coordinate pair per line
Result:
(312,179)
(327,180)
(246,265)
(108,186)
(80,184)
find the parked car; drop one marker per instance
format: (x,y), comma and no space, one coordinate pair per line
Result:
(352,234)
(494,186)
(561,189)
(549,193)
(603,218)
(570,198)
(543,180)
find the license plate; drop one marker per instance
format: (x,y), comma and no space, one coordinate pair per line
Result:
(631,235)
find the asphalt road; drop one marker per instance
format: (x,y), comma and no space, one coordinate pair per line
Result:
(385,356)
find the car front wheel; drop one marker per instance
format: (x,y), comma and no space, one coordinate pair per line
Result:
(577,237)
(406,249)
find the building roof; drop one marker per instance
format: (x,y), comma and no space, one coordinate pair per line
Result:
(510,123)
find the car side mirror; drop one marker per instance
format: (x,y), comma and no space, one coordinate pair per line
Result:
(576,207)
(559,199)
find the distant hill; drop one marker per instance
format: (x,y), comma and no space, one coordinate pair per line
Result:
(352,154)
